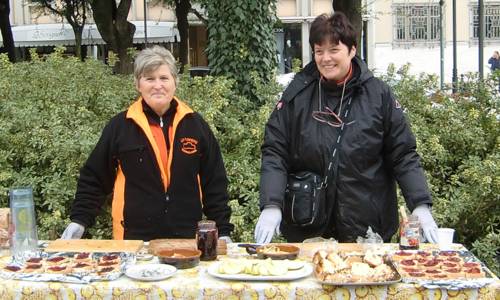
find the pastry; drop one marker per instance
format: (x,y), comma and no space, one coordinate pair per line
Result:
(106,270)
(433,264)
(433,273)
(82,267)
(12,268)
(33,268)
(340,268)
(400,255)
(372,259)
(352,259)
(423,253)
(83,256)
(34,260)
(56,260)
(382,273)
(473,272)
(58,269)
(453,273)
(110,258)
(107,263)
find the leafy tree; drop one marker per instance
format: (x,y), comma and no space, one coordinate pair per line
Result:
(241,41)
(74,11)
(5,28)
(110,16)
(182,8)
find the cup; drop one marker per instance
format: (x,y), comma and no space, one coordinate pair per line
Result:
(445,238)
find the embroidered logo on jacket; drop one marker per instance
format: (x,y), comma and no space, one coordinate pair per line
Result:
(189,145)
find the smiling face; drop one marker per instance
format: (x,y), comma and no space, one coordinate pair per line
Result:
(157,88)
(333,60)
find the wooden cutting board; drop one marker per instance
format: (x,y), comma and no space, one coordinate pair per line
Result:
(94,246)
(155,245)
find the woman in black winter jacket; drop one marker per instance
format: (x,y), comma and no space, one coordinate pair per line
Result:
(335,102)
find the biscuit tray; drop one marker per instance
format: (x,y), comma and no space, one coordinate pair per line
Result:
(454,284)
(73,277)
(347,282)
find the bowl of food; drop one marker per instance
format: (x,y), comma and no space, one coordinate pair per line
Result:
(181,258)
(278,251)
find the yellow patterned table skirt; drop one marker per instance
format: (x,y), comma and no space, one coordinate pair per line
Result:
(196,283)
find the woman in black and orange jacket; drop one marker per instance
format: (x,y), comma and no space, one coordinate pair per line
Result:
(160,160)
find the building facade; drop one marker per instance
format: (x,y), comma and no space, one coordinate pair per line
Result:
(395,31)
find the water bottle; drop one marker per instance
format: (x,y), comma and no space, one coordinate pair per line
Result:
(24,239)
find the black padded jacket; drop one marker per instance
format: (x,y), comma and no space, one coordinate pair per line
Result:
(377,150)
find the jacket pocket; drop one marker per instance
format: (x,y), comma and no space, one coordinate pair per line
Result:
(131,157)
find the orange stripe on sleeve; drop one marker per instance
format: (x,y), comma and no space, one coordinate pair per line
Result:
(199,189)
(118,205)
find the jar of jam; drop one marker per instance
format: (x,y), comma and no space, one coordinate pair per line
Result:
(206,239)
(409,230)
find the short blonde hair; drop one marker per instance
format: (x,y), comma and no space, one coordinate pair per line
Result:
(150,59)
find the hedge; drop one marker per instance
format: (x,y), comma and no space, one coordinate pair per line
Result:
(52,111)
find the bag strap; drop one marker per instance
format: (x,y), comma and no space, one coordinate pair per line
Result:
(330,169)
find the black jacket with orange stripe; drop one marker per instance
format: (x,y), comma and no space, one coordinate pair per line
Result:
(149,200)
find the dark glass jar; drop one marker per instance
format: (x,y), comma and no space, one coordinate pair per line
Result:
(206,239)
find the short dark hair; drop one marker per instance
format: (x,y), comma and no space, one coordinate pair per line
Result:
(335,27)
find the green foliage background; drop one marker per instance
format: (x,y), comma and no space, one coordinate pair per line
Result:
(53,110)
(241,41)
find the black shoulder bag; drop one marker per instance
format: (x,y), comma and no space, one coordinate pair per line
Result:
(305,194)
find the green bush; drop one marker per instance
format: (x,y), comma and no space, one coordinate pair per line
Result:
(458,139)
(52,112)
(51,115)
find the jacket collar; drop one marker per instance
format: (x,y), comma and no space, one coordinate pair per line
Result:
(136,113)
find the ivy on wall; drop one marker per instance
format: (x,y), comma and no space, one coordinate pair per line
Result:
(241,41)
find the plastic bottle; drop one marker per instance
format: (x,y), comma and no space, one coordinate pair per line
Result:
(24,237)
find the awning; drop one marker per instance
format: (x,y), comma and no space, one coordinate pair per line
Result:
(62,34)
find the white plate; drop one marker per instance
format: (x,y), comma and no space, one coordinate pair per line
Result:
(295,264)
(290,275)
(150,272)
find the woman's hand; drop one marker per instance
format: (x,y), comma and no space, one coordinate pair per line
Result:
(73,231)
(268,223)
(429,227)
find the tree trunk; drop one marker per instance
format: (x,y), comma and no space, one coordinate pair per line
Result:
(78,41)
(115,30)
(352,9)
(182,8)
(77,22)
(5,28)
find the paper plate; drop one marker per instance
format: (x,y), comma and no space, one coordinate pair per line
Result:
(150,272)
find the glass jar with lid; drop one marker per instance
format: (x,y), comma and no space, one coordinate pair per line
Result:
(206,239)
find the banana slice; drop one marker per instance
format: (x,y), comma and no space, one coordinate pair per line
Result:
(255,269)
(277,268)
(263,269)
(231,267)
